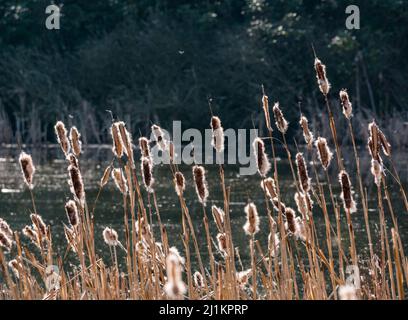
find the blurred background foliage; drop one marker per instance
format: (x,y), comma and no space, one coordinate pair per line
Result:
(160,60)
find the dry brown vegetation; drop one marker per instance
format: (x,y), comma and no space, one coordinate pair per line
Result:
(297,262)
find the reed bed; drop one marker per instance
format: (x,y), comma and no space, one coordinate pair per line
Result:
(297,262)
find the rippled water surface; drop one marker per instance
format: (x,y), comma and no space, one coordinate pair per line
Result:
(52,191)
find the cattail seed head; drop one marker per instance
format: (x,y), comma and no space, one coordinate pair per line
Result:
(31,234)
(268,185)
(28,169)
(321,77)
(324,153)
(302,172)
(105,177)
(377,171)
(159,136)
(73,160)
(304,203)
(179,183)
(110,236)
(290,220)
(251,227)
(262,161)
(175,288)
(243,277)
(71,238)
(117,147)
(76,144)
(61,133)
(144,147)
(16,267)
(120,180)
(300,232)
(127,141)
(222,243)
(198,280)
(265,105)
(347,193)
(219,216)
(5,241)
(76,183)
(217,134)
(200,183)
(273,243)
(277,204)
(5,228)
(280,120)
(345,102)
(306,132)
(147,174)
(38,224)
(385,145)
(72,213)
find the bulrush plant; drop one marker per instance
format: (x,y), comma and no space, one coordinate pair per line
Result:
(290,256)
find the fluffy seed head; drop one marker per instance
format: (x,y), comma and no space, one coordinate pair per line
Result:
(61,133)
(200,183)
(377,171)
(265,105)
(219,216)
(345,102)
(222,243)
(5,241)
(159,136)
(110,236)
(304,203)
(75,138)
(147,174)
(306,132)
(106,175)
(72,213)
(262,161)
(277,204)
(15,266)
(268,185)
(324,153)
(76,183)
(300,232)
(127,141)
(321,77)
(31,234)
(217,134)
(302,172)
(243,277)
(175,288)
(280,120)
(179,183)
(347,193)
(38,224)
(385,145)
(120,180)
(117,146)
(144,147)
(198,280)
(290,220)
(5,228)
(28,169)
(251,227)
(73,160)
(273,243)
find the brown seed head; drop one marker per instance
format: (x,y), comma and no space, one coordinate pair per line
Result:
(302,172)
(251,226)
(61,133)
(28,169)
(76,143)
(324,153)
(345,102)
(72,213)
(321,77)
(280,120)
(200,183)
(347,195)
(262,161)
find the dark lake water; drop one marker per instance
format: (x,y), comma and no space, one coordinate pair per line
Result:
(51,192)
